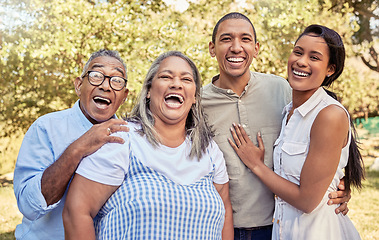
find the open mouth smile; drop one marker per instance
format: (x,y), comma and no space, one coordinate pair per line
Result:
(102,101)
(174,100)
(300,74)
(235,59)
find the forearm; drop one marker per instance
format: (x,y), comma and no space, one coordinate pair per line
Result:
(317,171)
(228,229)
(78,226)
(296,195)
(57,176)
(84,199)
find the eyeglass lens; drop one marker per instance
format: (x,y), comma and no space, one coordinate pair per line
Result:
(97,78)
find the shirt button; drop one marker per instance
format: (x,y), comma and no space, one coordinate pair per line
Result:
(244,125)
(229,91)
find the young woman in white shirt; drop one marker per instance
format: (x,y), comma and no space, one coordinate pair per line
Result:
(316,146)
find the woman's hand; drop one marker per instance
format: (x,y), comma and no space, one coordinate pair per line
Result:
(250,154)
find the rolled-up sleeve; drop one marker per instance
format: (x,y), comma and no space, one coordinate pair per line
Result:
(34,157)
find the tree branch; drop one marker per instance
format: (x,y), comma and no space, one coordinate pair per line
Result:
(369,65)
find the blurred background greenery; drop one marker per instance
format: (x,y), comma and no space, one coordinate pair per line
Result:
(44,45)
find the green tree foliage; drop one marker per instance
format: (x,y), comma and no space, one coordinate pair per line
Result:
(46,50)
(362,95)
(366,14)
(40,60)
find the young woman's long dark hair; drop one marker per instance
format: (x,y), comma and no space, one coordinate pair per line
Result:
(354,170)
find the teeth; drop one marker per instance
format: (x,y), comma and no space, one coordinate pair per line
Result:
(176,95)
(235,59)
(174,104)
(102,99)
(303,74)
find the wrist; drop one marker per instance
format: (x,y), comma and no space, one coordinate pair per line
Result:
(74,152)
(258,167)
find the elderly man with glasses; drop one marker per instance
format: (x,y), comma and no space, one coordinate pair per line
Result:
(55,144)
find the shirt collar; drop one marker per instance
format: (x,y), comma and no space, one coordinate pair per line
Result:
(80,117)
(312,102)
(229,91)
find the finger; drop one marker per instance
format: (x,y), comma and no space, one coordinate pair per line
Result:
(115,139)
(243,132)
(338,194)
(238,132)
(109,131)
(235,137)
(341,187)
(261,146)
(345,211)
(117,121)
(337,198)
(232,144)
(332,196)
(123,128)
(118,128)
(342,208)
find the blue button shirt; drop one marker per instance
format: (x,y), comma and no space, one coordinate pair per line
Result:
(44,142)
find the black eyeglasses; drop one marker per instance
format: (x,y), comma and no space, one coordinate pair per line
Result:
(96,78)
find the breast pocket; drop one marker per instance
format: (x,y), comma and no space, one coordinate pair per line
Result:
(293,157)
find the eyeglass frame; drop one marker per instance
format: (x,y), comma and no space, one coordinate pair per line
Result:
(105,76)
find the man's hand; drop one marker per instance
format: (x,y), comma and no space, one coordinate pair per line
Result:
(341,196)
(98,135)
(56,177)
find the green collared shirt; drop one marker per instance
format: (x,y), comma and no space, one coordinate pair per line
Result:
(257,109)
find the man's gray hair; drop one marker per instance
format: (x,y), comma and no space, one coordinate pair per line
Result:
(197,129)
(104,53)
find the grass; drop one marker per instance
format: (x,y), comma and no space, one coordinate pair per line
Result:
(8,152)
(364,207)
(9,214)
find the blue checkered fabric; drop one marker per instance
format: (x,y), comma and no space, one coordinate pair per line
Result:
(148,205)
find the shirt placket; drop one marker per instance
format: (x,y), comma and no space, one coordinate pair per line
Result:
(242,115)
(278,218)
(280,201)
